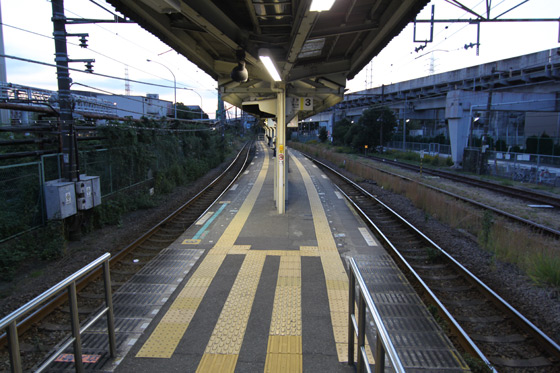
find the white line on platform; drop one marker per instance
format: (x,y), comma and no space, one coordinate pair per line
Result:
(369,239)
(203,219)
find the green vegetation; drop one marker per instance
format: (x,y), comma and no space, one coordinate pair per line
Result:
(46,243)
(139,164)
(476,365)
(375,127)
(434,255)
(545,269)
(323,134)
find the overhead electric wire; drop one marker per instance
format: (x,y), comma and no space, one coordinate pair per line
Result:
(133,43)
(436,45)
(82,71)
(101,54)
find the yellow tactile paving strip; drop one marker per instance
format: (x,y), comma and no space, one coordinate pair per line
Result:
(333,268)
(284,352)
(164,339)
(229,331)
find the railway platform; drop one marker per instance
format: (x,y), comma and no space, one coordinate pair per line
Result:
(247,290)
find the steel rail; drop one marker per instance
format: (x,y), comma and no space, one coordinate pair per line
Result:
(40,313)
(531,224)
(545,341)
(527,195)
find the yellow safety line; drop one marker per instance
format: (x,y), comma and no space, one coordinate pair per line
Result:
(333,268)
(225,343)
(284,352)
(164,339)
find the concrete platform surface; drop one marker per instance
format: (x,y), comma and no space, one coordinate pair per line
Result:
(247,290)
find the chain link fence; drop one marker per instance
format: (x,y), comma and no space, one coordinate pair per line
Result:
(526,168)
(21,198)
(430,148)
(21,185)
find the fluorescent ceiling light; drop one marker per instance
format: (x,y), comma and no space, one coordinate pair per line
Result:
(267,61)
(175,4)
(321,5)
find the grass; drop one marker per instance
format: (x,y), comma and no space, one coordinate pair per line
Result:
(36,273)
(434,255)
(544,269)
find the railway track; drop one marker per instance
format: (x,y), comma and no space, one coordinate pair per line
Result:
(483,323)
(536,227)
(53,319)
(522,194)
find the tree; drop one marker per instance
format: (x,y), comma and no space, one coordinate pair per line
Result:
(184,112)
(375,127)
(339,131)
(323,134)
(379,124)
(543,144)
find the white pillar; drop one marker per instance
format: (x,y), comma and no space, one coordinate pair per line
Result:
(281,150)
(458,124)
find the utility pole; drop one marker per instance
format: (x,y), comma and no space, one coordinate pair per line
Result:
(4,113)
(69,169)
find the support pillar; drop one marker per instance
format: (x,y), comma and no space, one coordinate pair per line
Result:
(458,124)
(281,150)
(458,136)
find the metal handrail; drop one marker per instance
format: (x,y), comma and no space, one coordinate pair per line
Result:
(10,322)
(358,328)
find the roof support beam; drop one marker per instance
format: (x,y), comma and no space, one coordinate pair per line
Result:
(319,69)
(209,25)
(303,23)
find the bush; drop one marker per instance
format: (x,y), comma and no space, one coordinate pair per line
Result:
(46,243)
(545,269)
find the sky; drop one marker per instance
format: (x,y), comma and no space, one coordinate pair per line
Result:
(27,31)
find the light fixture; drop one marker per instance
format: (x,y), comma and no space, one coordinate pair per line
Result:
(321,5)
(175,6)
(264,55)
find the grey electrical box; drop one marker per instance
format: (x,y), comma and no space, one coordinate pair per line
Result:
(60,199)
(88,192)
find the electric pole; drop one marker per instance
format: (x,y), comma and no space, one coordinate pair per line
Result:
(69,169)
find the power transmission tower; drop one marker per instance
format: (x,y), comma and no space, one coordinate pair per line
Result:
(126,82)
(369,75)
(432,69)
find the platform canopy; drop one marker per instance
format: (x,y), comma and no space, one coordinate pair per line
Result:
(314,52)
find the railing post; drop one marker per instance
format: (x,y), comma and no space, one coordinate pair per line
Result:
(13,343)
(379,355)
(351,309)
(109,304)
(361,332)
(75,319)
